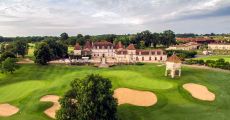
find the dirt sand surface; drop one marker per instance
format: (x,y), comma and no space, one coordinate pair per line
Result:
(7,110)
(135,97)
(51,112)
(199,91)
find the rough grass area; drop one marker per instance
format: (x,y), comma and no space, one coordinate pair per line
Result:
(25,88)
(215,57)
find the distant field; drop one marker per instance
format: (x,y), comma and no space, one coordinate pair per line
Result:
(70,49)
(25,87)
(215,57)
(31,50)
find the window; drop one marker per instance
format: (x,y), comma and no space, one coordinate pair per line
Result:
(155,58)
(161,58)
(150,58)
(137,59)
(143,58)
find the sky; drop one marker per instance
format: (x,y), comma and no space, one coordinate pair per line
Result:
(52,17)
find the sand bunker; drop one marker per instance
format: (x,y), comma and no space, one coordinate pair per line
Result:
(134,97)
(7,110)
(199,91)
(51,112)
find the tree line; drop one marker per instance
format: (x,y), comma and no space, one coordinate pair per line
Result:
(52,48)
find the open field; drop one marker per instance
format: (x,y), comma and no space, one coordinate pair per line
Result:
(214,57)
(25,88)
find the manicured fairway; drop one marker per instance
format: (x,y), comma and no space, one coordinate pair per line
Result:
(25,88)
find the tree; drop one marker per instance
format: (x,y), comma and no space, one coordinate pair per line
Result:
(168,38)
(42,54)
(21,47)
(64,36)
(6,55)
(2,48)
(79,36)
(146,37)
(9,65)
(89,99)
(58,49)
(155,38)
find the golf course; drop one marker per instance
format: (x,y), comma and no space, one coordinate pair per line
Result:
(31,82)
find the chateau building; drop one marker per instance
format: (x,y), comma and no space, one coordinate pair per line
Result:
(219,46)
(118,53)
(186,46)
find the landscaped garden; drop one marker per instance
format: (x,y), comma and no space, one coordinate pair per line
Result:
(30,83)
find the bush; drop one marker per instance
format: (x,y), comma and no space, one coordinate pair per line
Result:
(182,53)
(6,55)
(9,65)
(220,63)
(140,63)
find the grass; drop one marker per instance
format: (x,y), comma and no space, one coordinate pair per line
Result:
(70,49)
(25,87)
(31,49)
(215,57)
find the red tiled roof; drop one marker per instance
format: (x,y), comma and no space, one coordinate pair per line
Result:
(87,45)
(102,44)
(119,45)
(194,39)
(77,47)
(131,47)
(174,59)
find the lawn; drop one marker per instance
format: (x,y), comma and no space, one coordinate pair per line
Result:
(31,51)
(215,57)
(25,87)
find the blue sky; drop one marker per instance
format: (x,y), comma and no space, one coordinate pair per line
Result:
(52,17)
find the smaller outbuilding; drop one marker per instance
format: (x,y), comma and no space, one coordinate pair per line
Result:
(173,66)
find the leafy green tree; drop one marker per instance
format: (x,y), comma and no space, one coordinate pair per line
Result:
(146,37)
(72,40)
(6,55)
(79,36)
(155,39)
(58,49)
(2,49)
(9,65)
(21,47)
(64,36)
(168,38)
(42,54)
(89,99)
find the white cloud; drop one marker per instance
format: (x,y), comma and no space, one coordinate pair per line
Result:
(97,16)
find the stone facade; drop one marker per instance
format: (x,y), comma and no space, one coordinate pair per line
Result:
(187,46)
(219,46)
(118,53)
(173,66)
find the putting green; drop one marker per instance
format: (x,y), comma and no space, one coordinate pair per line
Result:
(19,90)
